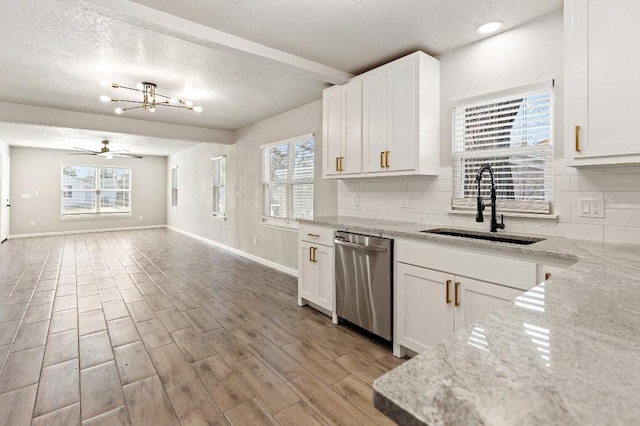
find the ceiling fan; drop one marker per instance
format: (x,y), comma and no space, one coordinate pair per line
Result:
(104,152)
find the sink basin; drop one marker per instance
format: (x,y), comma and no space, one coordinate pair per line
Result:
(501,238)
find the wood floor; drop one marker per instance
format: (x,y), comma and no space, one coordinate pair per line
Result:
(154,328)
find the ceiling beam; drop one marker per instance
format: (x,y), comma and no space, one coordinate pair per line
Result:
(27,114)
(175,26)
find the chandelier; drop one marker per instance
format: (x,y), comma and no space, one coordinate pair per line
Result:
(150,99)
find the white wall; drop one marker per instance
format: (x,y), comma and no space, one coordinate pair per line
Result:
(39,170)
(244,186)
(528,54)
(4,152)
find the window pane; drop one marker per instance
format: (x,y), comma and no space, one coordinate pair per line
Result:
(276,163)
(275,200)
(114,178)
(303,160)
(114,202)
(78,177)
(174,187)
(302,201)
(78,202)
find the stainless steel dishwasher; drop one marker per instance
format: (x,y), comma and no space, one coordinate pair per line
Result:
(364,291)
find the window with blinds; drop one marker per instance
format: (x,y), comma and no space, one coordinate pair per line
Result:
(219,186)
(287,179)
(95,190)
(513,134)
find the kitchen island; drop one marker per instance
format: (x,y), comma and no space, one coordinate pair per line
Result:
(571,360)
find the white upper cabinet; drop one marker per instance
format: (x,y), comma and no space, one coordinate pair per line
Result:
(398,120)
(602,85)
(342,129)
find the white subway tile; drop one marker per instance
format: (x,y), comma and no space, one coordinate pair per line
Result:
(402,217)
(578,231)
(560,169)
(421,185)
(622,170)
(435,208)
(394,186)
(571,199)
(437,220)
(621,234)
(562,183)
(564,213)
(626,217)
(622,200)
(605,183)
(348,185)
(370,186)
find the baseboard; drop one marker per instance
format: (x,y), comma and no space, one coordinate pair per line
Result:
(83,231)
(274,265)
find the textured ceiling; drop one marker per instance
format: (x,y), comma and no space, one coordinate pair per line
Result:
(355,36)
(63,138)
(54,52)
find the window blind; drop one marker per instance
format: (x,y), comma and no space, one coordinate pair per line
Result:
(287,179)
(513,135)
(219,186)
(95,190)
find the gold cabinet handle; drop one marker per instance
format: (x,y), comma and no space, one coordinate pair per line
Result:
(314,235)
(386,160)
(314,254)
(577,138)
(310,254)
(447,292)
(455,288)
(382,159)
(341,169)
(547,276)
(337,164)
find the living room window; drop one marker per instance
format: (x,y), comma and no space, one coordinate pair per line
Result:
(219,186)
(512,132)
(95,190)
(287,180)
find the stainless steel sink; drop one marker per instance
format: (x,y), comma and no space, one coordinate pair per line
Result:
(501,238)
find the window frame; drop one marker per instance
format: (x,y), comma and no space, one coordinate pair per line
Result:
(515,207)
(287,222)
(218,172)
(66,192)
(173,186)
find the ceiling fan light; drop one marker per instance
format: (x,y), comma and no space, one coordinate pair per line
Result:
(197,108)
(119,111)
(104,83)
(105,98)
(189,103)
(108,157)
(173,100)
(139,86)
(152,109)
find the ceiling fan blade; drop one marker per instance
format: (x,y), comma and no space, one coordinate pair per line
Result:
(86,150)
(83,153)
(124,154)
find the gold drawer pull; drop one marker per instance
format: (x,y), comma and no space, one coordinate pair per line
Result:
(386,161)
(457,303)
(337,164)
(341,169)
(447,292)
(314,235)
(382,159)
(314,254)
(577,138)
(547,276)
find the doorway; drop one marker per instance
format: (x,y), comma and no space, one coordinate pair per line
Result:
(4,197)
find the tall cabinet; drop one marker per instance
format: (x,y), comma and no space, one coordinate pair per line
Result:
(385,121)
(602,85)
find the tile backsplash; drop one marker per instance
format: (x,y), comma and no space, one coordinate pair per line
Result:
(427,200)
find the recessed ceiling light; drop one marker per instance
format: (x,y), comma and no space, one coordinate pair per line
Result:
(489,27)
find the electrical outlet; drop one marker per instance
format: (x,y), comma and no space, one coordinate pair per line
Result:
(255,241)
(33,223)
(591,207)
(140,217)
(356,201)
(406,202)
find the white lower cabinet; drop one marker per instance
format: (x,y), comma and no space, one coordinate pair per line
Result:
(316,280)
(432,305)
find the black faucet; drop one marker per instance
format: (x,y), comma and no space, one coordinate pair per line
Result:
(479,217)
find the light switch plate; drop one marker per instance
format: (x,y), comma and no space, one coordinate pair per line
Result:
(406,202)
(591,207)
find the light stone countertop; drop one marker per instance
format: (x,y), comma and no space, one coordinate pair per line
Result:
(575,363)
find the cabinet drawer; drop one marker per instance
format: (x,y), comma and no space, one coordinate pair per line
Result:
(316,234)
(495,269)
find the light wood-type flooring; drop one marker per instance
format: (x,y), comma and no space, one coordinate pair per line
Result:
(154,328)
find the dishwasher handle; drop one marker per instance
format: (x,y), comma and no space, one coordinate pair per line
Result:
(359,246)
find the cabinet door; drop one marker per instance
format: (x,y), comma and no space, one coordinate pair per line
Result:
(423,316)
(331,129)
(402,120)
(374,121)
(352,127)
(326,277)
(602,83)
(477,299)
(307,273)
